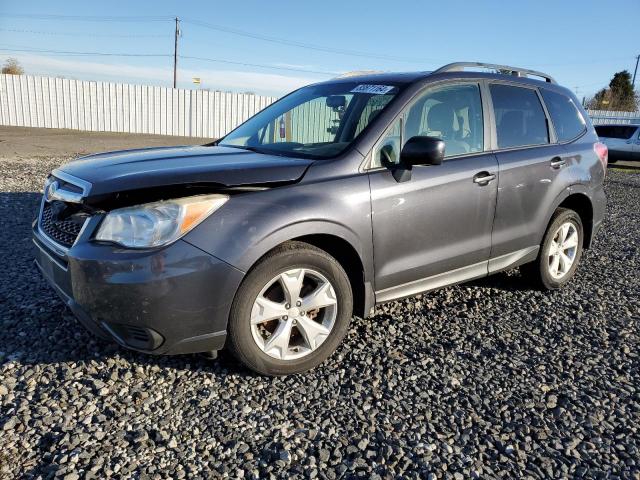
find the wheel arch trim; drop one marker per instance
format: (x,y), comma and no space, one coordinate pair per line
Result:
(582,194)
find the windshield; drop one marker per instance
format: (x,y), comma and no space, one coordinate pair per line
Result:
(319,121)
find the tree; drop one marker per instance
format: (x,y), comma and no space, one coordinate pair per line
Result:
(619,96)
(12,67)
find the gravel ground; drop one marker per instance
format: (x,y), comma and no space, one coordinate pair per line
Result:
(485,380)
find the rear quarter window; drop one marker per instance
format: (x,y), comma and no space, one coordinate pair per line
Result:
(567,119)
(624,132)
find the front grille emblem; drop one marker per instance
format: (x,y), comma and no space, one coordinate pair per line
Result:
(57,192)
(51,190)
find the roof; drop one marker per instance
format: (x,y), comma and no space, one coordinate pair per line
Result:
(382,77)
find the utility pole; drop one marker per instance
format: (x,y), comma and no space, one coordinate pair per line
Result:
(175,54)
(635,72)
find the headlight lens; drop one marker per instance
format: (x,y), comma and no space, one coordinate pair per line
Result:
(158,223)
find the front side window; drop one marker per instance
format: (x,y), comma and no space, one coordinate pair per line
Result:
(520,119)
(452,113)
(566,117)
(387,153)
(319,121)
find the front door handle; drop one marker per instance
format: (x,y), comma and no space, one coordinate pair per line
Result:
(483,178)
(557,162)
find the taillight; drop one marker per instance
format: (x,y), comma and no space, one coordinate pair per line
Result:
(603,154)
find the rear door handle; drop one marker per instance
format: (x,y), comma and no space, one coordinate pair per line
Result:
(557,162)
(483,178)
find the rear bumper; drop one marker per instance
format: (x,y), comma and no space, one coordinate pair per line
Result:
(599,203)
(168,301)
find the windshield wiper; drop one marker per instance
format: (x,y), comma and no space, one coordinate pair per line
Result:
(245,147)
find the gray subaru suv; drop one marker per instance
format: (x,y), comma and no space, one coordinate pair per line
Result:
(339,196)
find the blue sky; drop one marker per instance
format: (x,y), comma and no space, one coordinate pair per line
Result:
(580,43)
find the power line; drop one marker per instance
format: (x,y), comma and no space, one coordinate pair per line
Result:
(75,53)
(232,62)
(308,46)
(609,60)
(222,28)
(84,34)
(186,57)
(266,38)
(90,18)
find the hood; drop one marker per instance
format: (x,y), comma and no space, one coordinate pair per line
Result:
(173,166)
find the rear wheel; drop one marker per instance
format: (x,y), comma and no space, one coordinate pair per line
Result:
(560,251)
(291,311)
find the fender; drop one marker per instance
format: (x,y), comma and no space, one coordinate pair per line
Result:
(303,228)
(251,224)
(566,193)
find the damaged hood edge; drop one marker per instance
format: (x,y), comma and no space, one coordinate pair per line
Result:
(152,168)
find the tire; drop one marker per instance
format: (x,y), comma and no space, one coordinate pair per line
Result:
(263,294)
(541,272)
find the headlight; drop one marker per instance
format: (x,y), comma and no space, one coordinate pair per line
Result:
(159,223)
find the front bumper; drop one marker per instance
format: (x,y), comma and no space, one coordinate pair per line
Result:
(162,301)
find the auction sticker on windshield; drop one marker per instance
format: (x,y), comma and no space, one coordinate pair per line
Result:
(374,89)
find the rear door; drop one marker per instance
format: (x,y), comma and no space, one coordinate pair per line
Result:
(531,166)
(434,228)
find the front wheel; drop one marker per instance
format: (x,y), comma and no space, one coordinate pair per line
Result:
(291,311)
(560,251)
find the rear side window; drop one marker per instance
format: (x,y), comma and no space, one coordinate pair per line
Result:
(520,119)
(565,116)
(624,132)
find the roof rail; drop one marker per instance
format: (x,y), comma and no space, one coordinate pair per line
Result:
(515,71)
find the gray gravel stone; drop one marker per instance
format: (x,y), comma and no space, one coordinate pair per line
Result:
(485,380)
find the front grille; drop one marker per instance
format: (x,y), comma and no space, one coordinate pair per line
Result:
(63,232)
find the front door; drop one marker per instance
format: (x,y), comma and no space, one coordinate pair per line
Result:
(434,228)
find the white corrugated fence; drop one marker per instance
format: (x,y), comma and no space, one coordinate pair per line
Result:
(33,101)
(598,117)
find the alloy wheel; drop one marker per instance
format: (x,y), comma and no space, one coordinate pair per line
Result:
(563,249)
(294,314)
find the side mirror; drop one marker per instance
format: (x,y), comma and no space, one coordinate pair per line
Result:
(422,150)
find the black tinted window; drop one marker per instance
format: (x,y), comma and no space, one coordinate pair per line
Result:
(520,119)
(564,114)
(624,132)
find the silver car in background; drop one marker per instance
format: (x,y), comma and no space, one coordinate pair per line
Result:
(623,141)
